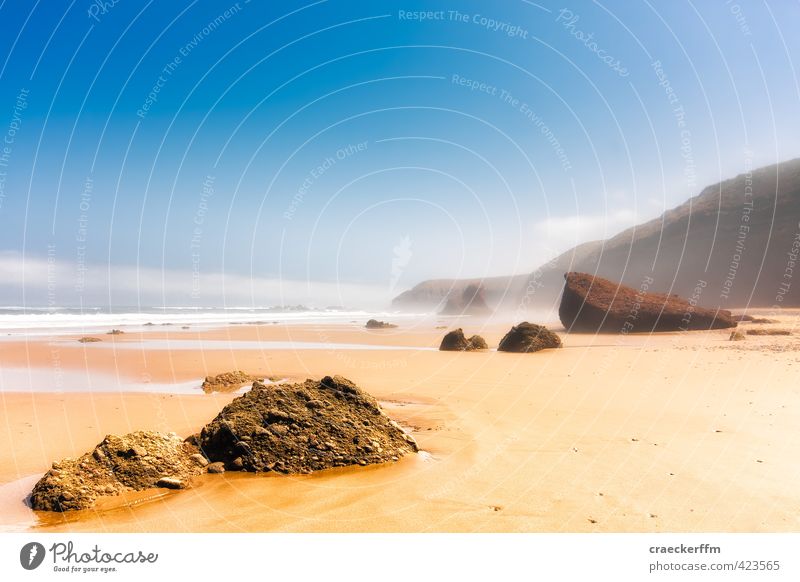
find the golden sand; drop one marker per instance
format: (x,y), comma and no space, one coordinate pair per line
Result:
(674,432)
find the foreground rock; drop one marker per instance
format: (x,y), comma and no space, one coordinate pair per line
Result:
(88,340)
(528,337)
(456,341)
(303,427)
(470,301)
(227,381)
(375,324)
(595,304)
(130,462)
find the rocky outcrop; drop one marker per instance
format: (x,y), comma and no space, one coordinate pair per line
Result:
(528,337)
(456,341)
(130,462)
(227,381)
(89,340)
(299,428)
(470,301)
(593,304)
(375,324)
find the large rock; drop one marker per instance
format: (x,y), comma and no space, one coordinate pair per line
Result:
(299,428)
(528,337)
(469,301)
(594,304)
(134,461)
(456,341)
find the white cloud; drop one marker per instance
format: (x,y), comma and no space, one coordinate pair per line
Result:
(39,281)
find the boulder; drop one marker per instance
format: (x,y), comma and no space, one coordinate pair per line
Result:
(528,337)
(470,301)
(131,462)
(737,336)
(593,304)
(304,427)
(455,341)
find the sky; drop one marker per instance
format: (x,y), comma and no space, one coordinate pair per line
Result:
(339,152)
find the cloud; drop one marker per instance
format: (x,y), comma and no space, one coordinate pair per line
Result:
(37,281)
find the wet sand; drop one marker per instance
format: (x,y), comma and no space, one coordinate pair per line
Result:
(675,432)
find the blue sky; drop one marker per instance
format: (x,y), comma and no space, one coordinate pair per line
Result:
(265,152)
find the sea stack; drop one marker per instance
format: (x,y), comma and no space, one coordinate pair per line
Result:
(592,304)
(470,301)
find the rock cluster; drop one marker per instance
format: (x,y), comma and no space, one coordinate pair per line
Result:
(594,304)
(288,428)
(456,341)
(134,461)
(528,337)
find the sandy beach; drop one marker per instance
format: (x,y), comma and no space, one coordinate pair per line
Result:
(637,433)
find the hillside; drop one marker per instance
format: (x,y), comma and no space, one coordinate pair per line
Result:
(733,245)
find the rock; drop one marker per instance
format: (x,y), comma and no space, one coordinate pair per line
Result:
(171,483)
(216,467)
(272,428)
(751,319)
(134,461)
(736,336)
(115,332)
(199,459)
(470,301)
(595,304)
(455,341)
(528,337)
(769,332)
(227,381)
(476,342)
(375,324)
(87,340)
